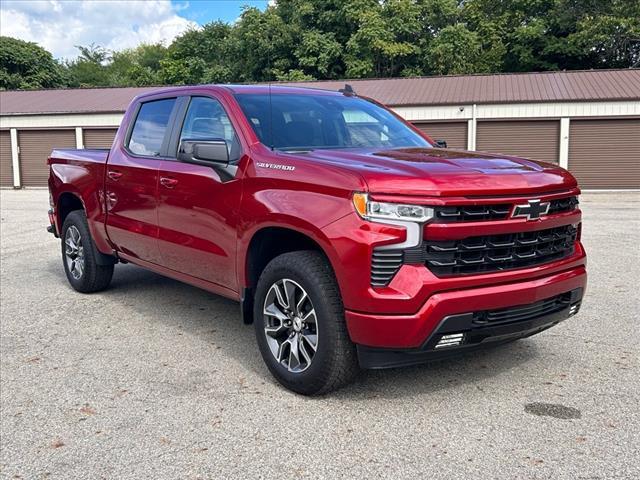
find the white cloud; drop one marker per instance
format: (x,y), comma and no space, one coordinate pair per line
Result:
(59,25)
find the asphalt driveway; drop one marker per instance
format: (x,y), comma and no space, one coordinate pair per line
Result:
(157,379)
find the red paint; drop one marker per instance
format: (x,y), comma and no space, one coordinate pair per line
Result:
(408,331)
(183,221)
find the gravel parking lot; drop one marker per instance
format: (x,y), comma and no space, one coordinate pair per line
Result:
(157,379)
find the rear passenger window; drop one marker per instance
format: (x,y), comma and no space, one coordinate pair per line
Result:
(150,127)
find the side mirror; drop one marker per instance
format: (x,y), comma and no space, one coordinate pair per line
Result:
(441,144)
(204,152)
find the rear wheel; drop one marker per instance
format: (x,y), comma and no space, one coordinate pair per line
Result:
(79,256)
(300,327)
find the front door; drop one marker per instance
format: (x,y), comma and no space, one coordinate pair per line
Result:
(197,208)
(131,182)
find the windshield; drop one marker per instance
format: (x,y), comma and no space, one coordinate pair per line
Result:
(306,122)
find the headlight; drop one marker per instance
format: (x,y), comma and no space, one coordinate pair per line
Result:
(370,209)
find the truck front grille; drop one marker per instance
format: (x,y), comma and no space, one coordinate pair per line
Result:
(482,253)
(471,213)
(478,213)
(499,252)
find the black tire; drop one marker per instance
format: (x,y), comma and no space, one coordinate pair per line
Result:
(94,277)
(334,363)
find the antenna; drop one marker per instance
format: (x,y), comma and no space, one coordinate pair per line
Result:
(347,90)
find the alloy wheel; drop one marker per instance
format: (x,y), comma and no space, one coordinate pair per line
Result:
(74,252)
(290,325)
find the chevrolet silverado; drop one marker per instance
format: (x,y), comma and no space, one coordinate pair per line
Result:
(350,238)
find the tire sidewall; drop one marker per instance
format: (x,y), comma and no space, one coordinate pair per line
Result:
(318,371)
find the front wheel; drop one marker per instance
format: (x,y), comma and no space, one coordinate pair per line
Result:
(300,326)
(79,256)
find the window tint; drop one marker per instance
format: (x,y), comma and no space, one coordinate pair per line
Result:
(308,121)
(207,120)
(149,129)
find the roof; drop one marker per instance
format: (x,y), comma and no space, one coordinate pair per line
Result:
(80,100)
(592,85)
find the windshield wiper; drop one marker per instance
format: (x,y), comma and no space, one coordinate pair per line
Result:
(295,149)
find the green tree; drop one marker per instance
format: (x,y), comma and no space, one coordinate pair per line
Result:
(27,65)
(90,68)
(330,39)
(199,56)
(140,66)
(384,40)
(319,54)
(455,50)
(606,34)
(514,33)
(261,45)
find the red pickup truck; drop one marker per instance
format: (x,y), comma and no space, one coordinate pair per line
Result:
(351,239)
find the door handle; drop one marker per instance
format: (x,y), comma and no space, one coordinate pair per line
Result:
(114,175)
(168,182)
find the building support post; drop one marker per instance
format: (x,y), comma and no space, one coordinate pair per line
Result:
(564,142)
(471,129)
(15,158)
(79,139)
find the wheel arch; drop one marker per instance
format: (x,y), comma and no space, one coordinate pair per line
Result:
(68,202)
(266,243)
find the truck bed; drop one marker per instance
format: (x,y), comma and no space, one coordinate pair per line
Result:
(94,155)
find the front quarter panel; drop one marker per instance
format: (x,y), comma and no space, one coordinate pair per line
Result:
(287,192)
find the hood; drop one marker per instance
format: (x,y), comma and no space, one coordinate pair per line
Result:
(444,172)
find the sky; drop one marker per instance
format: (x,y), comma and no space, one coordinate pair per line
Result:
(59,25)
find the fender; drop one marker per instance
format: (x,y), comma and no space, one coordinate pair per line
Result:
(82,181)
(279,220)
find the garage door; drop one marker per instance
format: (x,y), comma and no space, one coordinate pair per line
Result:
(538,140)
(98,137)
(454,133)
(6,169)
(605,153)
(35,148)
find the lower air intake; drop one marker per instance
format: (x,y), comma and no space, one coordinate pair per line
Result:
(384,265)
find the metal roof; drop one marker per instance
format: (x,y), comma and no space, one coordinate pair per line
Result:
(592,85)
(78,100)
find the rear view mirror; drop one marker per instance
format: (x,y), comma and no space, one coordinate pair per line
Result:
(204,152)
(441,143)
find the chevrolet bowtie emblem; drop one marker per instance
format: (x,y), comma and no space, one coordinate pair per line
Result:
(532,210)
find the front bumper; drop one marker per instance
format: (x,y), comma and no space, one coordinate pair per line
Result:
(461,333)
(413,331)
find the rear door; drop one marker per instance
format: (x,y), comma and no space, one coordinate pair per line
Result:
(198,209)
(131,181)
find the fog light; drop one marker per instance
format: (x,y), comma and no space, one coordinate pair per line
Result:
(574,309)
(450,340)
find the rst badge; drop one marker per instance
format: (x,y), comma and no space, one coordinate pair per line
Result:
(533,210)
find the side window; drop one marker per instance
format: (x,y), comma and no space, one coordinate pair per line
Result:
(207,120)
(150,126)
